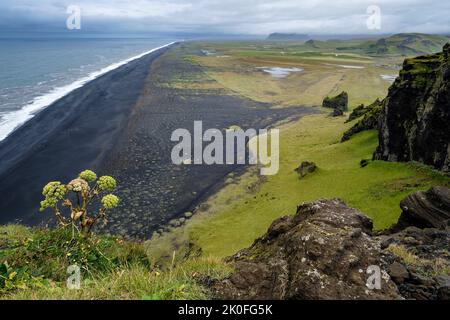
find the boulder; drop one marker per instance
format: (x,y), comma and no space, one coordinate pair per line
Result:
(339,102)
(422,262)
(398,272)
(426,209)
(324,251)
(305,168)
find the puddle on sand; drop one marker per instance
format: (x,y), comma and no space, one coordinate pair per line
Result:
(389,77)
(345,66)
(278,72)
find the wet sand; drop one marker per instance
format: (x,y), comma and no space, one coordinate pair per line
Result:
(120,124)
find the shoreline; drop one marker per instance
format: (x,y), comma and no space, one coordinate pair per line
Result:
(67,137)
(15,119)
(120,125)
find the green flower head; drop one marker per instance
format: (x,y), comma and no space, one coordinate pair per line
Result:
(53,192)
(106,183)
(110,201)
(88,175)
(54,189)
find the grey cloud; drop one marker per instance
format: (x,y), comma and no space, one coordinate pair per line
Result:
(256,17)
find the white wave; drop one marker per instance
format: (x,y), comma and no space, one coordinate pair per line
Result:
(12,120)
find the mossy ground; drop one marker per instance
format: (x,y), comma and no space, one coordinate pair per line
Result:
(375,189)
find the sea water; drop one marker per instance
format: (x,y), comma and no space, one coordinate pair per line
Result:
(36,72)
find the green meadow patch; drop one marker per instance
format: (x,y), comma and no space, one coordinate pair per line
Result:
(376,189)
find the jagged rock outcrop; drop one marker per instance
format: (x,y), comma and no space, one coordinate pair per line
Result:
(359,111)
(322,252)
(326,250)
(414,123)
(370,118)
(339,103)
(422,262)
(421,243)
(426,209)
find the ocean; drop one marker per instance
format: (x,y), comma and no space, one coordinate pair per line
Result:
(36,72)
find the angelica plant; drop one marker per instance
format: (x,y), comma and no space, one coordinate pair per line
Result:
(77,197)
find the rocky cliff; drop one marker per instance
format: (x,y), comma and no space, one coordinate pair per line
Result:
(414,123)
(322,252)
(328,251)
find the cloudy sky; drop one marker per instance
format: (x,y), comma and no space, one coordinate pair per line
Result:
(253,17)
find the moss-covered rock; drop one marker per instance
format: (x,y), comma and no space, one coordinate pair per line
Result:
(322,252)
(306,168)
(339,102)
(357,112)
(414,123)
(370,119)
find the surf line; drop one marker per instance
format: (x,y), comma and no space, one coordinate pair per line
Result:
(13,120)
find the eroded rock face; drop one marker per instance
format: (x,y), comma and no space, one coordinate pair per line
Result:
(414,123)
(322,252)
(426,209)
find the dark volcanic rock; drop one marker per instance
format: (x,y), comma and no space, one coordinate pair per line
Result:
(370,118)
(423,277)
(443,287)
(305,168)
(359,111)
(323,252)
(340,102)
(398,272)
(426,209)
(421,242)
(414,123)
(337,112)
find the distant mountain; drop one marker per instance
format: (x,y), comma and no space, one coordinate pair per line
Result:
(287,36)
(408,44)
(316,44)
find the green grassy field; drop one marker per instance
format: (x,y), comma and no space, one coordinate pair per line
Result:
(233,222)
(243,210)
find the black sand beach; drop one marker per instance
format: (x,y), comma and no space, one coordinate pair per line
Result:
(120,124)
